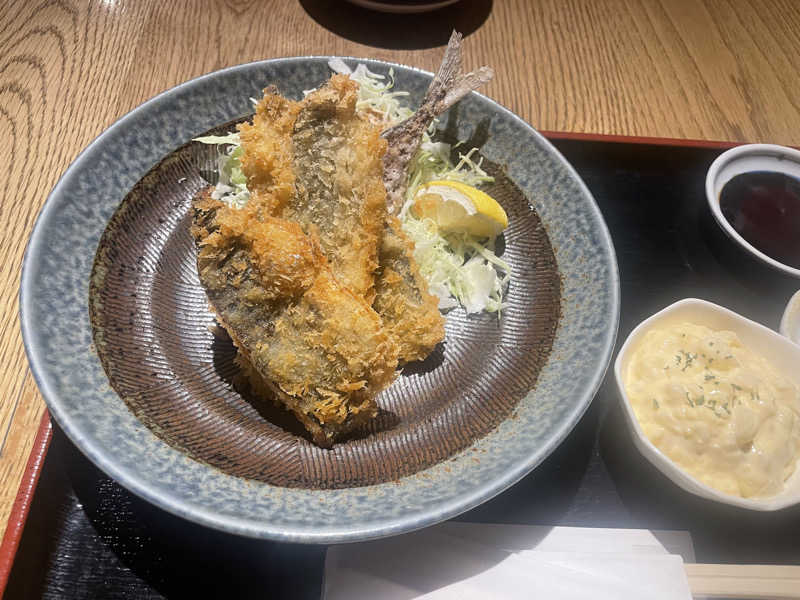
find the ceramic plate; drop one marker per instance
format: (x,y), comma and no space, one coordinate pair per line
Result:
(117,334)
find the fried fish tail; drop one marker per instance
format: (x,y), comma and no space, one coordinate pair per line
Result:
(408,310)
(448,87)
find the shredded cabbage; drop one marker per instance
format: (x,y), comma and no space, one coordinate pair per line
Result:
(458,269)
(375,97)
(231,186)
(456,265)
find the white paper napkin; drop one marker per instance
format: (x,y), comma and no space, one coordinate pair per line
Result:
(515,538)
(465,561)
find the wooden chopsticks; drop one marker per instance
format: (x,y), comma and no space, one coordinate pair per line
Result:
(757,582)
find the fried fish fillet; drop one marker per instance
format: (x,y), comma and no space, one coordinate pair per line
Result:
(402,299)
(321,349)
(409,312)
(314,280)
(291,275)
(318,163)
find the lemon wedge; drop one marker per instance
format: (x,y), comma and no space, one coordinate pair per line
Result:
(456,206)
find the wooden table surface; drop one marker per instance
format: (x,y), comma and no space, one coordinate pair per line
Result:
(699,69)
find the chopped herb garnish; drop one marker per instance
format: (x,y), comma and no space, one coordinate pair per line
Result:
(736,387)
(700,400)
(655,403)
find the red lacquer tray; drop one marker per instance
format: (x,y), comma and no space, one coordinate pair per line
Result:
(81,535)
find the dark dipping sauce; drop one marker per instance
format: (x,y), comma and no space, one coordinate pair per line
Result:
(764,208)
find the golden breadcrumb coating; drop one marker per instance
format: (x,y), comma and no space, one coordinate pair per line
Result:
(339,187)
(320,348)
(409,312)
(313,280)
(318,163)
(267,155)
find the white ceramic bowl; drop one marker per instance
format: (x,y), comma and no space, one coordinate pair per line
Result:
(790,323)
(779,351)
(744,159)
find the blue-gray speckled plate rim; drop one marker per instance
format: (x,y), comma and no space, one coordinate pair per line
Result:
(352,530)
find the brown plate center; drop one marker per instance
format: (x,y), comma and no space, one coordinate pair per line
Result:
(156,340)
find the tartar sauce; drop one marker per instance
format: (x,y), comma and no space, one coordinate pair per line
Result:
(718,410)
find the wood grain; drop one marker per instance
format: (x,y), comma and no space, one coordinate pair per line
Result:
(701,69)
(754,582)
